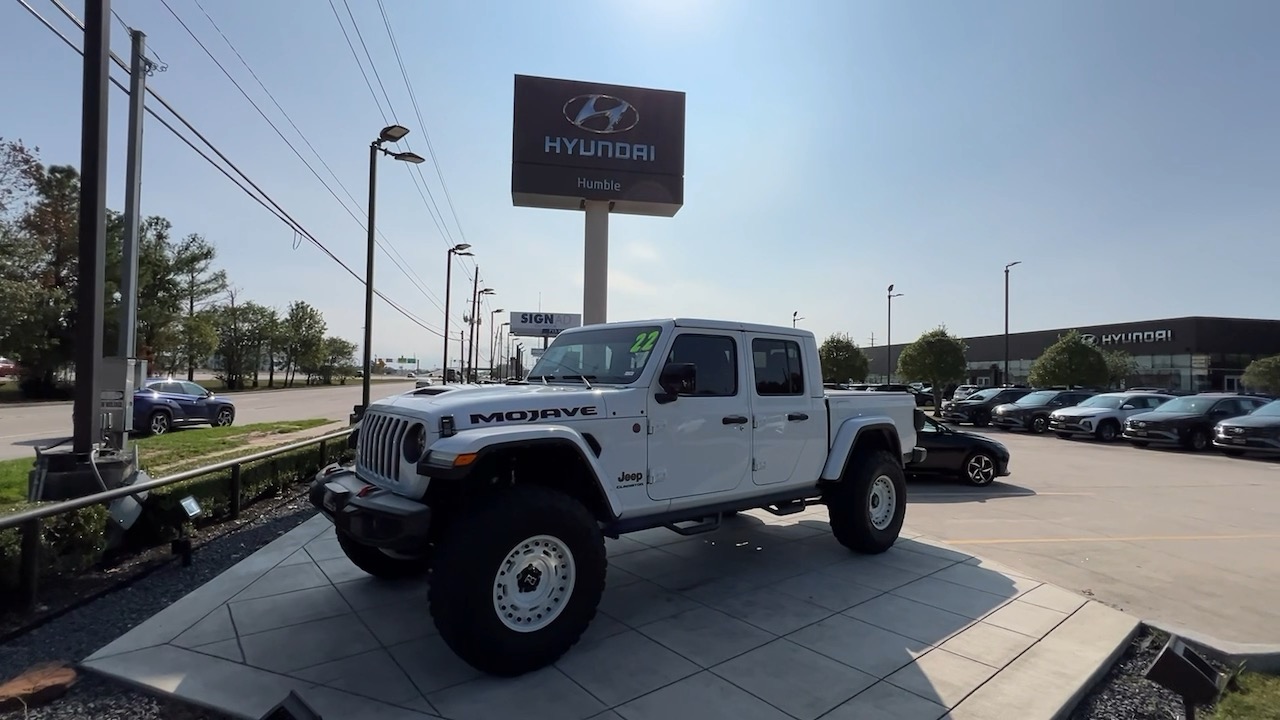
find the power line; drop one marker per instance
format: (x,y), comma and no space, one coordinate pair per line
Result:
(442,226)
(387,247)
(412,278)
(415,172)
(274,207)
(413,98)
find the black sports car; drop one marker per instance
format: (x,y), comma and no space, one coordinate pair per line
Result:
(977,459)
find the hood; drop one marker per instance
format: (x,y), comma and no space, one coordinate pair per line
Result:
(491,405)
(1254,421)
(1157,416)
(1014,409)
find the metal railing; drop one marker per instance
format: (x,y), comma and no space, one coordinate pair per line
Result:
(29,521)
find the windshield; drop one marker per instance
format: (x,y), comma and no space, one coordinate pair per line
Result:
(1272,408)
(982,395)
(1195,405)
(610,355)
(1037,398)
(1111,402)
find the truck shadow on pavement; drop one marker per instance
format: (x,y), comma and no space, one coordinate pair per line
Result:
(765,611)
(934,491)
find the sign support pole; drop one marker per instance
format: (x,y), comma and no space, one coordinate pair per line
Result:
(595,270)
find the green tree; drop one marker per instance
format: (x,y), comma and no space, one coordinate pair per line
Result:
(842,359)
(339,360)
(936,357)
(199,284)
(240,327)
(1263,375)
(1070,361)
(302,333)
(1120,365)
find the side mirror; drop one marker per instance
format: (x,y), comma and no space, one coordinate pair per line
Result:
(1128,406)
(676,379)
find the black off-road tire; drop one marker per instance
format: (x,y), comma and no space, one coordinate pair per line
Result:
(381,565)
(474,549)
(850,503)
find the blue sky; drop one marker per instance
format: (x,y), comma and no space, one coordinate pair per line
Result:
(1126,152)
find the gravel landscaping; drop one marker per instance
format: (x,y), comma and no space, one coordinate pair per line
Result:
(75,635)
(1124,694)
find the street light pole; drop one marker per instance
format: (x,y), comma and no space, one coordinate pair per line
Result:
(390,133)
(493,335)
(795,317)
(1006,320)
(459,249)
(888,337)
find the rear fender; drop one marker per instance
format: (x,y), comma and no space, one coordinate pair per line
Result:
(847,436)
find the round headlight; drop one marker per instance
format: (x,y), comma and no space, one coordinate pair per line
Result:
(415,443)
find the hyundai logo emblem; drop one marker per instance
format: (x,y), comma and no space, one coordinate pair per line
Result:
(601,114)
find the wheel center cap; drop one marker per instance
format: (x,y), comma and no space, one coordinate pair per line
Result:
(527,580)
(875,501)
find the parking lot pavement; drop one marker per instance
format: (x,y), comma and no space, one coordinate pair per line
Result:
(1187,539)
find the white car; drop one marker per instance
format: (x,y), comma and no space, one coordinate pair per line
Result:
(963,392)
(505,493)
(1103,416)
(424,381)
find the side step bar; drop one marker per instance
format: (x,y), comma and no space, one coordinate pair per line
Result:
(790,508)
(704,525)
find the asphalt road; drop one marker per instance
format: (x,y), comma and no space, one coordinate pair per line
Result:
(1187,539)
(25,427)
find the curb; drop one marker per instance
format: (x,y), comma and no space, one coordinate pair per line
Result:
(1256,657)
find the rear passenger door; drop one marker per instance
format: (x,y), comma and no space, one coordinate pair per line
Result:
(789,423)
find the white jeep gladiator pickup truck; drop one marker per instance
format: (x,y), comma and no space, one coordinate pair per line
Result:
(505,493)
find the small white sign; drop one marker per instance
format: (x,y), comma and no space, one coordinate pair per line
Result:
(540,324)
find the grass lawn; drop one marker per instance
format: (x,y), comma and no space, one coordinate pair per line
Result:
(9,389)
(177,447)
(1256,698)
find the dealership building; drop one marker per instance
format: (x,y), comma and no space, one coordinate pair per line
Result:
(1189,354)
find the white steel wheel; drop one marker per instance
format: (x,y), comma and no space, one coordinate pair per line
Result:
(980,469)
(534,584)
(882,502)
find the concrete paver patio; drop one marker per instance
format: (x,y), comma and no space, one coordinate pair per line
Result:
(766,618)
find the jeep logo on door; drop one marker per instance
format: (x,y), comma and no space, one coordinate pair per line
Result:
(528,416)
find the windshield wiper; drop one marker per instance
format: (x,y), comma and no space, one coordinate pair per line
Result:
(584,378)
(543,378)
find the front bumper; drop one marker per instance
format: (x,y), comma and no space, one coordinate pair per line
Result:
(1009,422)
(1073,426)
(367,513)
(1248,443)
(1153,437)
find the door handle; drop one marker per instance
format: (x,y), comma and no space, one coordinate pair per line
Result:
(735,420)
(796,417)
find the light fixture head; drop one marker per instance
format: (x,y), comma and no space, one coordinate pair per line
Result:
(409,157)
(498,311)
(393,133)
(461,246)
(890,289)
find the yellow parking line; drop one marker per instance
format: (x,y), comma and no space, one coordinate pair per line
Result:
(1136,538)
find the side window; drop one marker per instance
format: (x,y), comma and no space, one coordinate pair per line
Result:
(191,388)
(1230,407)
(716,360)
(1154,402)
(777,367)
(173,388)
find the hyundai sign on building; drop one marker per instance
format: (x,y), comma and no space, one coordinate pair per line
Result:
(577,142)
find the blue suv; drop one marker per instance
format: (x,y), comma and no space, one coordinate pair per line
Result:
(164,403)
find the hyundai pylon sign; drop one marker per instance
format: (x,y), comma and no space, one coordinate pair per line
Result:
(542,324)
(576,141)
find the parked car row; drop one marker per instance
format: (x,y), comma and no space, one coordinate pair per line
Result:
(1235,423)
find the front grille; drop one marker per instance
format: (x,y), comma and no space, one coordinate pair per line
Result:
(381,437)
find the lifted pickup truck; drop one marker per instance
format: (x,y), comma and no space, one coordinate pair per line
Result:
(505,493)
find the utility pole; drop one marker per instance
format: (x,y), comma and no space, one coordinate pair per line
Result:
(86,423)
(462,354)
(127,342)
(471,346)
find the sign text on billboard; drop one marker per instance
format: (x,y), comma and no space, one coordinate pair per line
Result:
(575,141)
(541,324)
